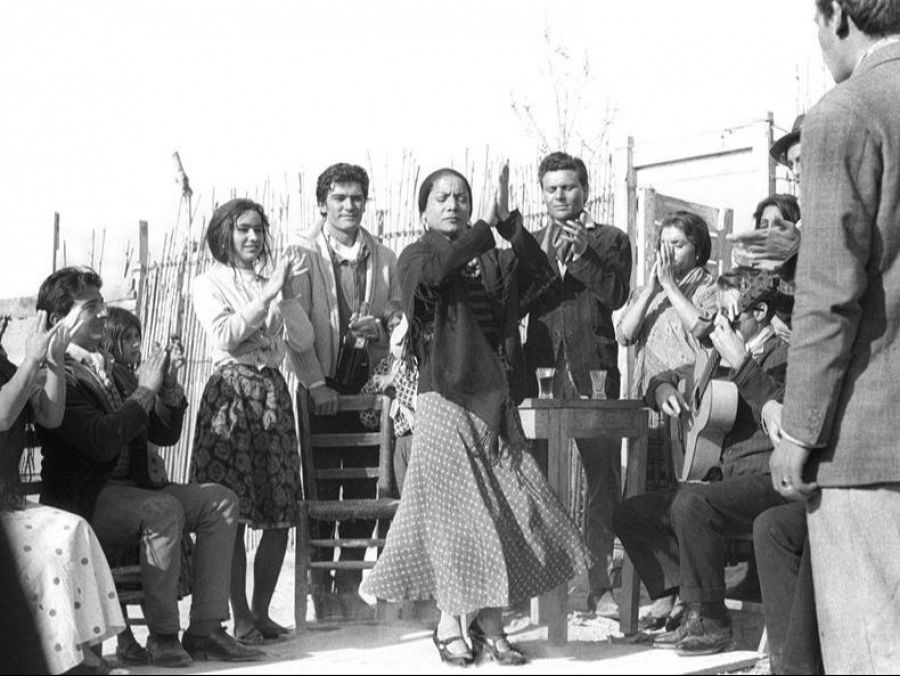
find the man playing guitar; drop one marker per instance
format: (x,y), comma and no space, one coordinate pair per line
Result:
(675,538)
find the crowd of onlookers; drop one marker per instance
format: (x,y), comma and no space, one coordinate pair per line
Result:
(794,342)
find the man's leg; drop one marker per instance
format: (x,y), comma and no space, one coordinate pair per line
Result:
(642,524)
(601,459)
(702,514)
(210,511)
(125,512)
(854,536)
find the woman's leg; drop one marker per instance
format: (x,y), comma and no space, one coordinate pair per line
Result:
(266,568)
(243,618)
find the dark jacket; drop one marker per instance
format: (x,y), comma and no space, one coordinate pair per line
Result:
(455,358)
(80,454)
(593,286)
(746,448)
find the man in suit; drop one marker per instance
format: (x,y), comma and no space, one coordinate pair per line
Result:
(839,429)
(96,464)
(675,538)
(576,335)
(351,278)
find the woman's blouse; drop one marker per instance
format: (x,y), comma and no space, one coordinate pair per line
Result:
(242,328)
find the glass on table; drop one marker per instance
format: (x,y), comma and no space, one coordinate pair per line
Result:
(545,376)
(598,383)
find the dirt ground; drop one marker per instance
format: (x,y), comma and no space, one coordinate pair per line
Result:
(405,647)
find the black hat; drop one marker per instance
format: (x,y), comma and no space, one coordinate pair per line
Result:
(779,149)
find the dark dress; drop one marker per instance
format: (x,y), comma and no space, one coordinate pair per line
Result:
(478,525)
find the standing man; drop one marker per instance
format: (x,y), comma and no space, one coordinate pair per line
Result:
(839,420)
(351,278)
(577,335)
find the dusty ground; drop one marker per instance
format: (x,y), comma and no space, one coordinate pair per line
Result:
(405,647)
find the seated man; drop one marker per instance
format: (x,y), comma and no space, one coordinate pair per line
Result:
(675,539)
(96,464)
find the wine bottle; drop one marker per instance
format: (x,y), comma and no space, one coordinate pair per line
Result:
(353,360)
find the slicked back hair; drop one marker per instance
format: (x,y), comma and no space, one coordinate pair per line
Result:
(58,292)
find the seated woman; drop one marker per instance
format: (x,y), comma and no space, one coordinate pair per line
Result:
(60,563)
(478,528)
(665,320)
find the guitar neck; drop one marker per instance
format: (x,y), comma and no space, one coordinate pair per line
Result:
(714,359)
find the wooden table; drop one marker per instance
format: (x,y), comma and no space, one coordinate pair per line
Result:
(558,421)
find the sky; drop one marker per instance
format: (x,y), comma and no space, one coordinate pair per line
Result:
(95,96)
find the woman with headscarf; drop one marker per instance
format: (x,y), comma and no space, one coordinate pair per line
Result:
(478,528)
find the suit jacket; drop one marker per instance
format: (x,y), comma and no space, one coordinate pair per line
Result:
(80,454)
(581,319)
(843,385)
(318,298)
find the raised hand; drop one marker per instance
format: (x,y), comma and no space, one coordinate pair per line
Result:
(152,370)
(176,360)
(665,265)
(575,233)
(279,276)
(497,209)
(728,342)
(67,327)
(766,249)
(38,339)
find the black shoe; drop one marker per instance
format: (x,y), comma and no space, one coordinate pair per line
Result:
(164,650)
(507,656)
(219,646)
(677,615)
(710,635)
(454,659)
(129,651)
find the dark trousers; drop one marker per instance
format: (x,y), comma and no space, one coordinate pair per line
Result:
(781,543)
(336,458)
(675,539)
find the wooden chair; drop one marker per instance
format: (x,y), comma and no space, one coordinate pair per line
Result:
(382,507)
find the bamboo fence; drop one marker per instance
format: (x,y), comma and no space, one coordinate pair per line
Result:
(164,290)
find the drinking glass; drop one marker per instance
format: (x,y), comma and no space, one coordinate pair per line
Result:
(545,381)
(598,383)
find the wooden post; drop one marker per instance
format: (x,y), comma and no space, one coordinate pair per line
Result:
(631,207)
(770,139)
(55,238)
(143,255)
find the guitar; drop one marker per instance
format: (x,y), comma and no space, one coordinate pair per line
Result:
(702,429)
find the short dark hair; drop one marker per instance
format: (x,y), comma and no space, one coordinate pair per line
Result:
(787,205)
(118,321)
(220,231)
(560,161)
(875,18)
(341,173)
(431,179)
(755,287)
(695,229)
(58,292)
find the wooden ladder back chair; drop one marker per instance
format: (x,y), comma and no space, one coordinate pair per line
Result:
(381,508)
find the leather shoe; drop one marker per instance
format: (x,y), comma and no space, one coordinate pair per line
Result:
(219,646)
(709,636)
(164,650)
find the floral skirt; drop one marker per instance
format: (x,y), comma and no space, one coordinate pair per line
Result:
(246,440)
(472,532)
(66,580)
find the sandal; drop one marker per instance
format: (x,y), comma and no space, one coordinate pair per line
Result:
(481,641)
(455,659)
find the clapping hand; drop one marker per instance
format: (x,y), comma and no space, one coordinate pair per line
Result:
(497,210)
(665,265)
(176,360)
(767,249)
(152,371)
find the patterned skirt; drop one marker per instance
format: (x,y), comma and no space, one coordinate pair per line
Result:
(470,532)
(66,580)
(246,440)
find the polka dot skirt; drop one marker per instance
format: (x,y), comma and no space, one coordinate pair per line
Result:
(66,579)
(471,533)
